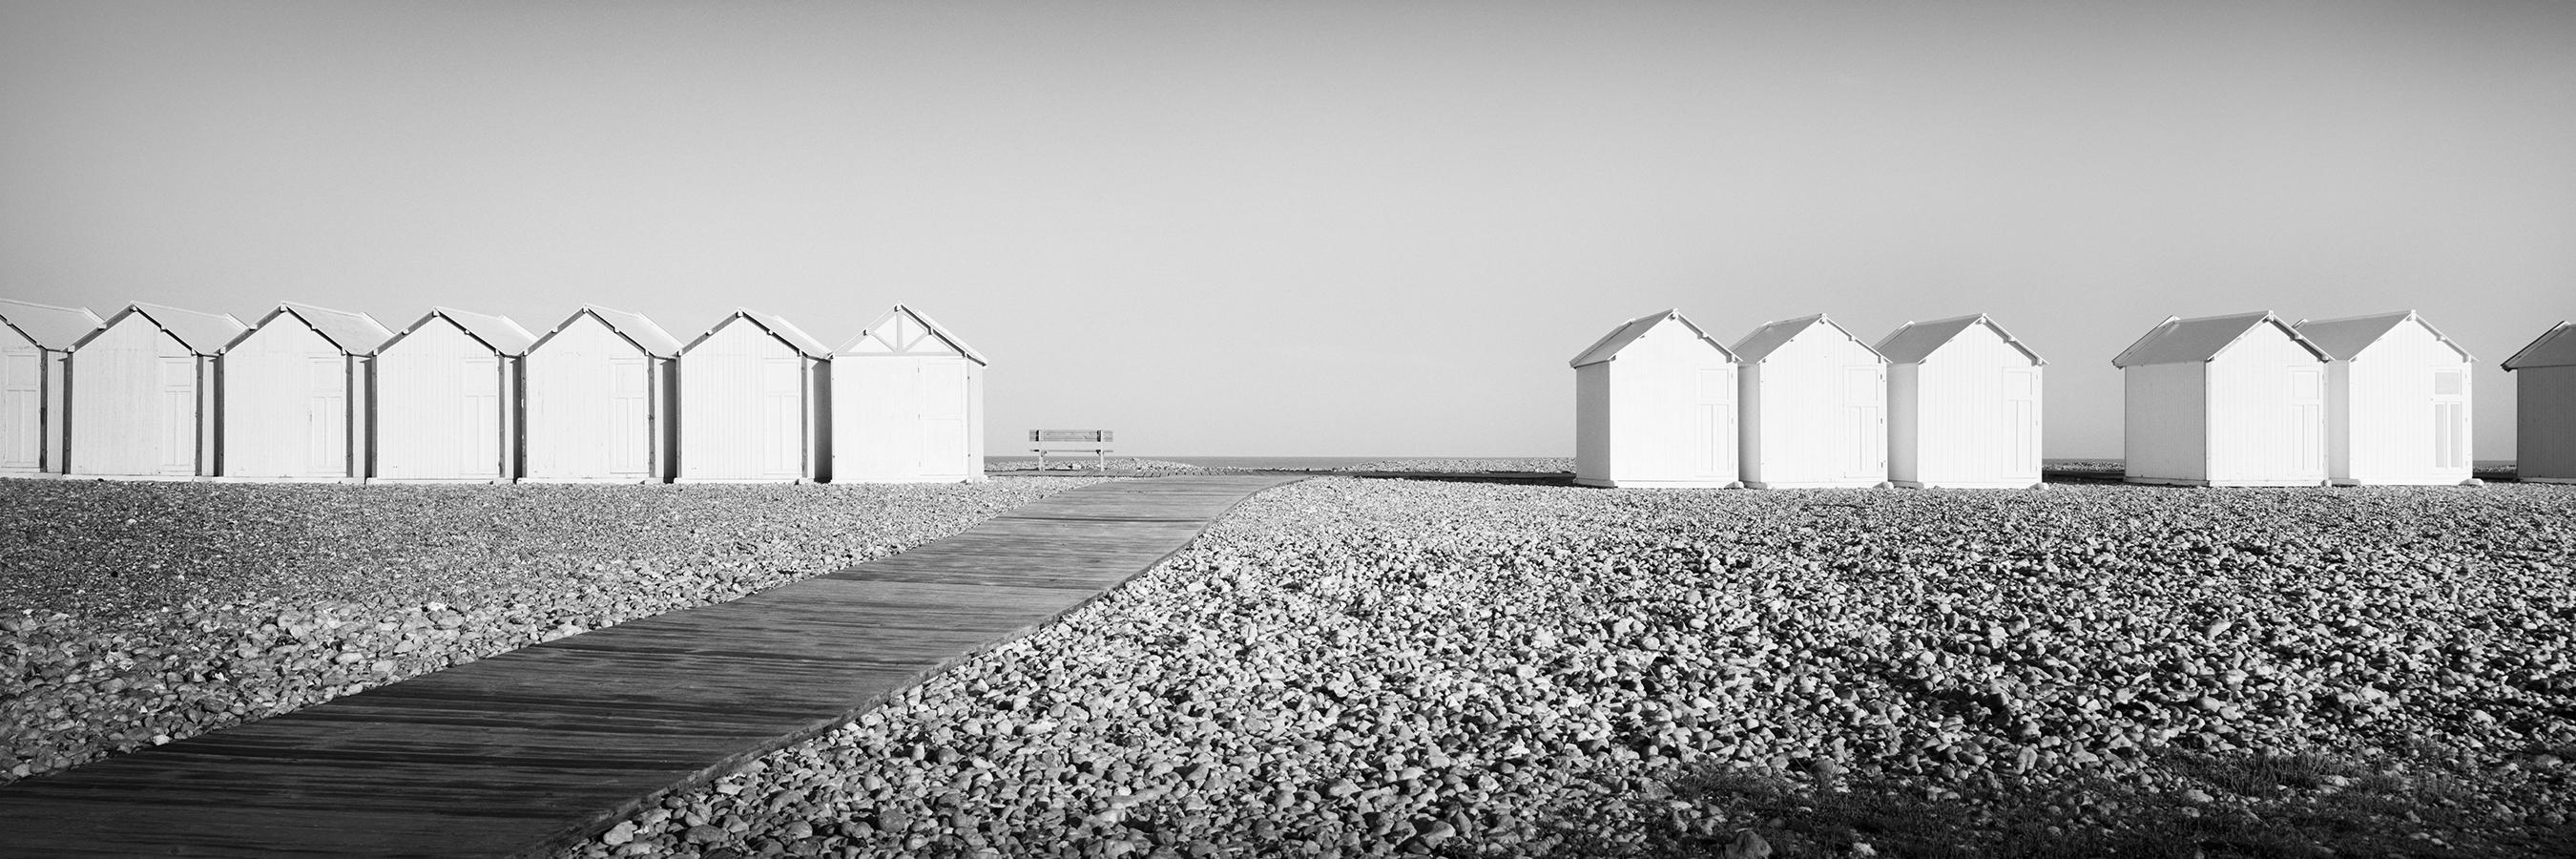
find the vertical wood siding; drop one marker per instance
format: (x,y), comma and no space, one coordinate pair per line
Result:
(2164,425)
(1593,400)
(591,408)
(439,407)
(906,419)
(134,403)
(2391,423)
(1672,411)
(22,404)
(2267,422)
(1821,414)
(287,392)
(742,407)
(2545,423)
(1968,415)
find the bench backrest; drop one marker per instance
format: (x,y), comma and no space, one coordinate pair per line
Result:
(1083,436)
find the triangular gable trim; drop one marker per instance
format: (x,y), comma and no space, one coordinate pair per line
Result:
(930,330)
(95,324)
(604,322)
(1610,345)
(2401,319)
(441,313)
(289,309)
(1802,324)
(765,328)
(144,310)
(1972,321)
(2122,360)
(2545,340)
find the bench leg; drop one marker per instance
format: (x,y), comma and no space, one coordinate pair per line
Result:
(1041,460)
(1104,460)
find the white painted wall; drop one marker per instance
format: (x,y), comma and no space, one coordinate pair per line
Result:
(2267,413)
(288,400)
(2164,426)
(23,367)
(594,408)
(2545,424)
(1661,413)
(2399,412)
(135,403)
(907,419)
(1816,414)
(442,399)
(1968,415)
(745,401)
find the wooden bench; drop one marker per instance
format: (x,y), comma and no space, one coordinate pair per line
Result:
(1098,441)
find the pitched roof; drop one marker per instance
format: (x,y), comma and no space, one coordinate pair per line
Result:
(2181,341)
(1630,331)
(634,328)
(777,326)
(202,333)
(2555,348)
(1767,339)
(50,327)
(497,333)
(2346,337)
(352,333)
(904,330)
(1912,342)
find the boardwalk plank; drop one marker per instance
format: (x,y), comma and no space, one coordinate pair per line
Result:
(532,749)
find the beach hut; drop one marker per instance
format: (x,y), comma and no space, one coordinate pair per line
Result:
(752,404)
(2224,401)
(295,395)
(143,393)
(35,346)
(1963,405)
(2397,400)
(445,394)
(2545,407)
(1654,405)
(907,404)
(1814,406)
(599,393)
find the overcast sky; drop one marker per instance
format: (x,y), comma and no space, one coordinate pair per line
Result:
(1363,228)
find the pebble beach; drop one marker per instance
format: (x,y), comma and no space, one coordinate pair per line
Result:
(1350,667)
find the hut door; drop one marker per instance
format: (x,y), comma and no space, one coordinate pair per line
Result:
(630,447)
(1866,431)
(782,416)
(479,438)
(22,398)
(2307,422)
(2450,419)
(1714,443)
(327,417)
(2020,434)
(178,415)
(943,419)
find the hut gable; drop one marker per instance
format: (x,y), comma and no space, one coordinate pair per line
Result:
(353,334)
(1913,342)
(47,326)
(776,327)
(1758,346)
(1629,332)
(634,328)
(2182,341)
(2555,348)
(2347,338)
(904,331)
(201,334)
(497,334)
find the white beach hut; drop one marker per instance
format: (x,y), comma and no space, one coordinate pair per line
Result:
(35,347)
(2224,401)
(1963,405)
(1814,406)
(907,404)
(1654,405)
(445,394)
(295,395)
(599,393)
(2545,407)
(143,393)
(2397,400)
(752,405)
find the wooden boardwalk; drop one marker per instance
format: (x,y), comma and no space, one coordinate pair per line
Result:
(533,749)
